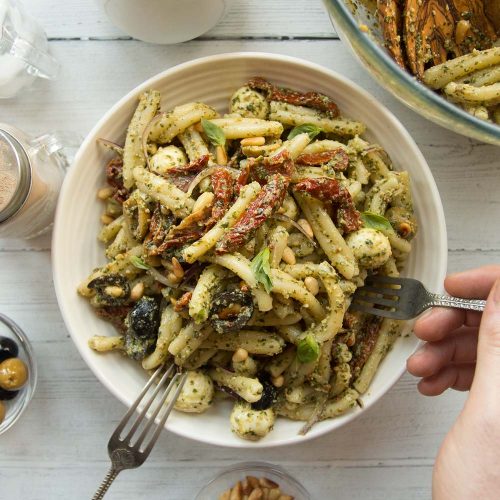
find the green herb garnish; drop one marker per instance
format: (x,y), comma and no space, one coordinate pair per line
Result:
(262,269)
(375,221)
(308,349)
(138,262)
(214,133)
(309,128)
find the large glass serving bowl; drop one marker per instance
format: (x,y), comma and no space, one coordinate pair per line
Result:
(347,16)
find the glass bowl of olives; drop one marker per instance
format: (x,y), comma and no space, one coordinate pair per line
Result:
(18,372)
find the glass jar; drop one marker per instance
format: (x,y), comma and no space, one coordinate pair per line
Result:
(23,50)
(31,174)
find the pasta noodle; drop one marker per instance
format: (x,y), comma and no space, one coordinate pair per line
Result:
(238,263)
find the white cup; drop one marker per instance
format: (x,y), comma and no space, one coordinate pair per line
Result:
(165,21)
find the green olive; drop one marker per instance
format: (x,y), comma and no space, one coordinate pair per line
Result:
(13,374)
(2,412)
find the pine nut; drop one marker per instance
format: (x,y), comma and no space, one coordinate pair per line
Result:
(236,492)
(137,291)
(254,482)
(267,483)
(198,127)
(173,278)
(240,355)
(220,155)
(154,260)
(105,193)
(226,495)
(106,219)
(114,291)
(278,381)
(246,488)
(204,200)
(312,285)
(256,494)
(177,268)
(289,256)
(274,494)
(461,30)
(253,141)
(304,224)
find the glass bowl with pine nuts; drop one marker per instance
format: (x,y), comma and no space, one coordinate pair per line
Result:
(253,481)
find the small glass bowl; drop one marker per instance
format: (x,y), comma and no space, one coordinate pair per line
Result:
(229,477)
(15,407)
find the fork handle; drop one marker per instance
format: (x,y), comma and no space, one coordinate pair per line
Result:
(436,300)
(106,483)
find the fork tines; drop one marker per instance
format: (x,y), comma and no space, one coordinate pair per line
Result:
(157,404)
(379,296)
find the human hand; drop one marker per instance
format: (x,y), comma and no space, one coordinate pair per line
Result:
(463,352)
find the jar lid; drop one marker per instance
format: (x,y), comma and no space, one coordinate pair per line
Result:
(15,175)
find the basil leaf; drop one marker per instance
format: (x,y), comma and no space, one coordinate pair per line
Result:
(214,133)
(375,221)
(138,262)
(262,269)
(311,129)
(308,349)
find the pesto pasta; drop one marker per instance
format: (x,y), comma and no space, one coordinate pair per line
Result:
(234,246)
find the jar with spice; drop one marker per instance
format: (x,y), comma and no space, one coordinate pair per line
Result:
(31,174)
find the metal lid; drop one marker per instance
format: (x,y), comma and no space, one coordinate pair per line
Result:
(15,175)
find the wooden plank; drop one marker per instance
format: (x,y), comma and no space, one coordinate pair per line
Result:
(245,18)
(467,172)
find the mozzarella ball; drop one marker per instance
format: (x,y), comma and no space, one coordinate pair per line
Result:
(197,394)
(251,424)
(371,248)
(166,158)
(249,103)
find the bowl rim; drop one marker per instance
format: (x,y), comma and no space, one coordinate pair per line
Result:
(31,385)
(214,60)
(261,467)
(375,52)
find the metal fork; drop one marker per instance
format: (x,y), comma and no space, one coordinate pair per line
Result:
(123,451)
(404,298)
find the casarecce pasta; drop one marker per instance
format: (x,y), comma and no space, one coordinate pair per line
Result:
(235,243)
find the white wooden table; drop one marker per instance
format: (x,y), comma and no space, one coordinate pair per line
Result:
(58,449)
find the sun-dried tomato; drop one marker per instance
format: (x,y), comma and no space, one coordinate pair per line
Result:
(330,192)
(114,175)
(365,343)
(337,159)
(182,177)
(310,99)
(223,186)
(261,168)
(115,315)
(195,167)
(261,209)
(183,302)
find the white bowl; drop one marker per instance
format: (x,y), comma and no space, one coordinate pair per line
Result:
(76,250)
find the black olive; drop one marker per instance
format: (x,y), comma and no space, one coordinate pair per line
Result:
(222,316)
(268,398)
(144,318)
(103,298)
(7,395)
(8,348)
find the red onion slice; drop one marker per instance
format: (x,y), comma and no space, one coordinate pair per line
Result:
(285,218)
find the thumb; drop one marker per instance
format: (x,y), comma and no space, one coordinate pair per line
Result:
(487,375)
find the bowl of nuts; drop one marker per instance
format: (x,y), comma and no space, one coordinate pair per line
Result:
(253,481)
(18,374)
